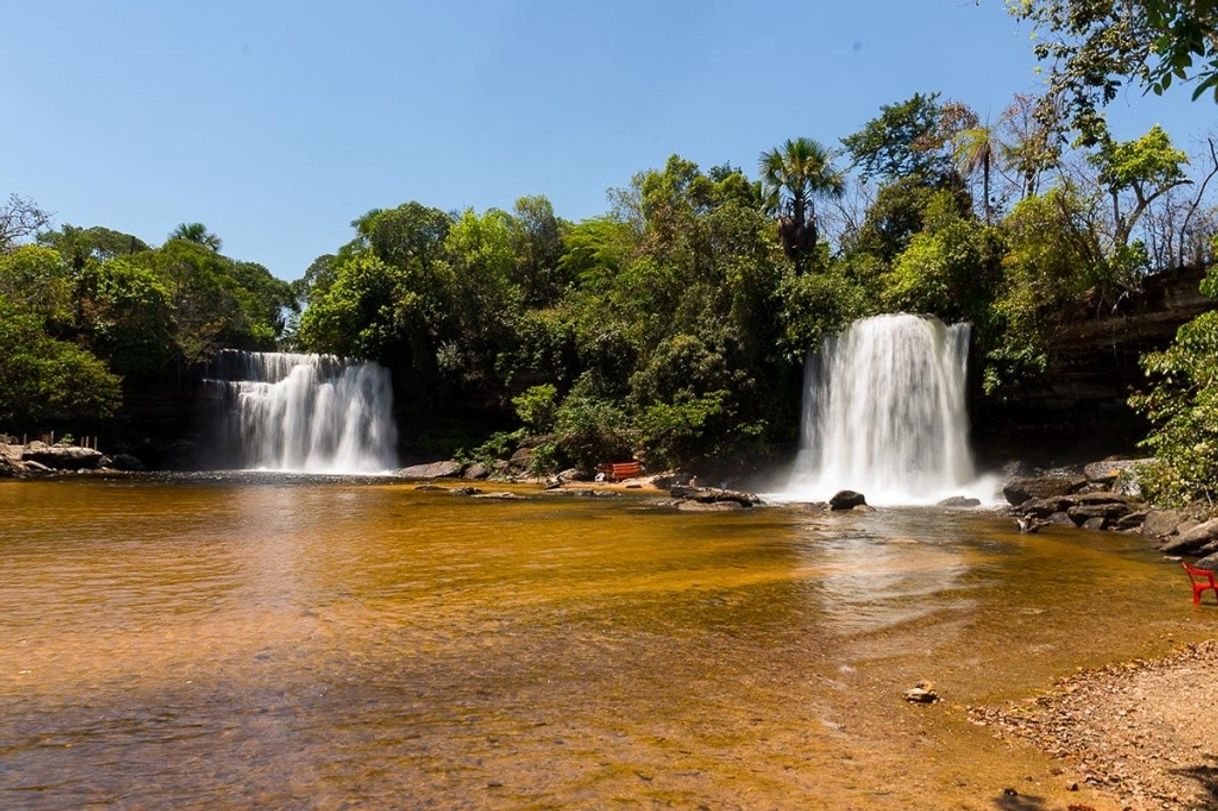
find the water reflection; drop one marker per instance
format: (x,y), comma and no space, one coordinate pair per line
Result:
(317,643)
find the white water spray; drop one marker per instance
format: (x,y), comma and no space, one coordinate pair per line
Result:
(308,413)
(884,413)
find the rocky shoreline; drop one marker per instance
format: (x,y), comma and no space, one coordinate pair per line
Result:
(39,459)
(1139,730)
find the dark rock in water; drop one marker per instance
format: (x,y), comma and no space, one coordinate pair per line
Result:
(435,470)
(431,488)
(1083,513)
(1107,471)
(960,502)
(1060,518)
(846,500)
(1044,507)
(1099,522)
(1160,523)
(1192,539)
(1030,526)
(59,457)
(922,693)
(476,471)
(709,507)
(1017,491)
(710,495)
(125,461)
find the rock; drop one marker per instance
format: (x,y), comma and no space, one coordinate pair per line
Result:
(862,508)
(1101,497)
(809,506)
(431,488)
(1099,522)
(522,459)
(1193,539)
(1107,471)
(125,461)
(709,507)
(1132,521)
(501,496)
(1060,518)
(1017,491)
(1159,523)
(710,495)
(61,457)
(1044,507)
(670,479)
(1207,562)
(1030,526)
(433,470)
(1083,513)
(36,467)
(960,502)
(572,474)
(466,491)
(846,500)
(476,471)
(922,693)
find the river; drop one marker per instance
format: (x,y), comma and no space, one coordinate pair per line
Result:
(237,641)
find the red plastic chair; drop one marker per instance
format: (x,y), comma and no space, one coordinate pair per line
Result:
(1201,579)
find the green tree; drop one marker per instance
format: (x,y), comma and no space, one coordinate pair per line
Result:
(1146,168)
(906,139)
(976,150)
(197,233)
(794,176)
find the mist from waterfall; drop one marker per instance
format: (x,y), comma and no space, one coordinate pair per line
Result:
(308,413)
(884,413)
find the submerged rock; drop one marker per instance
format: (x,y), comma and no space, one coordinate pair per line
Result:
(960,502)
(709,507)
(711,495)
(846,500)
(502,496)
(433,470)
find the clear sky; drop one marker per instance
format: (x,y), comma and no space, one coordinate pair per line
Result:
(276,124)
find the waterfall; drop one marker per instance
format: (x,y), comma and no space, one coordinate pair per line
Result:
(884,413)
(307,413)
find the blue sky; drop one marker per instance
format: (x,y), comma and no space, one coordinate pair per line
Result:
(276,124)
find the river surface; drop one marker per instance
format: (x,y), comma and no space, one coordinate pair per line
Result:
(304,643)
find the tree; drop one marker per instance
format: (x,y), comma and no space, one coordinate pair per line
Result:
(1146,167)
(1032,139)
(20,218)
(976,149)
(794,176)
(905,139)
(79,245)
(197,233)
(1097,45)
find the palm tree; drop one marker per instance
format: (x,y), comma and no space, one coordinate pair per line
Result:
(197,232)
(794,176)
(976,148)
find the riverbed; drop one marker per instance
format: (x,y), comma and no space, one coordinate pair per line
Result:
(205,642)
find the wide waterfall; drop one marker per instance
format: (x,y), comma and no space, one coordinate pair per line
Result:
(308,413)
(884,413)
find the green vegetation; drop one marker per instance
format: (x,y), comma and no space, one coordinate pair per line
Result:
(674,327)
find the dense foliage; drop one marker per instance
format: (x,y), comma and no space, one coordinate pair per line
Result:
(674,327)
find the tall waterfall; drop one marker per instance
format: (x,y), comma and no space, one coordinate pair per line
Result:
(308,413)
(884,413)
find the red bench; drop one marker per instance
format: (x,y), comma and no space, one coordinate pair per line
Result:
(1201,580)
(617,471)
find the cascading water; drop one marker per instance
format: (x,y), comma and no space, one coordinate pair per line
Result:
(884,414)
(308,413)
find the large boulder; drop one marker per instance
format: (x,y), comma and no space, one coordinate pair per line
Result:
(476,471)
(61,457)
(1192,540)
(846,500)
(1082,513)
(1207,562)
(712,495)
(1017,491)
(447,469)
(1161,523)
(522,459)
(1107,471)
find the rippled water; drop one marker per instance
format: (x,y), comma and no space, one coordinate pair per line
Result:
(295,642)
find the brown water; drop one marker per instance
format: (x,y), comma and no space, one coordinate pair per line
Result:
(327,644)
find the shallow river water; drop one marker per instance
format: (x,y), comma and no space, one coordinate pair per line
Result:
(303,643)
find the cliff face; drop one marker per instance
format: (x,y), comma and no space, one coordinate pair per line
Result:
(1078,409)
